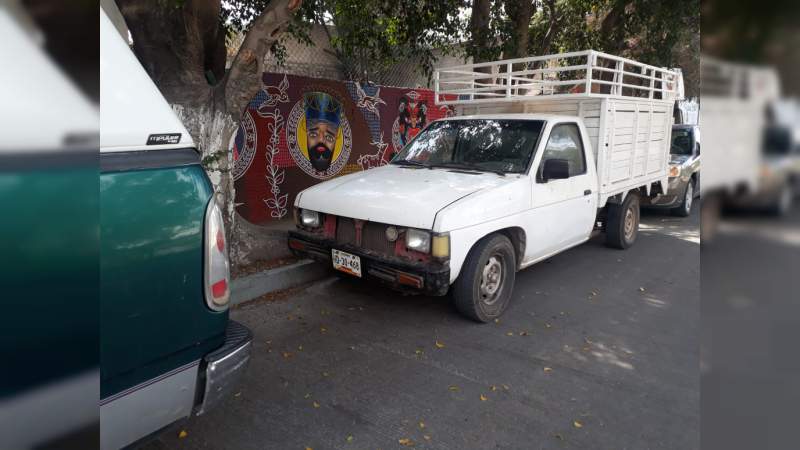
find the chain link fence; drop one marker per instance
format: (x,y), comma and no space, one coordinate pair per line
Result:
(320,61)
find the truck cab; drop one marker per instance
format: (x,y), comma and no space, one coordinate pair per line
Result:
(535,160)
(167,347)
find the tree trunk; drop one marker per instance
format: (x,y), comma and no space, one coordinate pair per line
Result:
(182,47)
(520,12)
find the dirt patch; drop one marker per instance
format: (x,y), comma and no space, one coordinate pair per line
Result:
(262,265)
(270,297)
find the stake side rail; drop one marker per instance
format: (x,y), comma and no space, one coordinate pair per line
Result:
(575,75)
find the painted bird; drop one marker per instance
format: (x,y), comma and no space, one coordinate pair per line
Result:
(369,102)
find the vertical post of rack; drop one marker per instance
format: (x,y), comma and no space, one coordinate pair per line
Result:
(590,60)
(508,80)
(436,86)
(652,81)
(472,86)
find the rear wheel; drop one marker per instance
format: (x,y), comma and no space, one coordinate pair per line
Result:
(483,288)
(710,208)
(685,208)
(622,222)
(783,201)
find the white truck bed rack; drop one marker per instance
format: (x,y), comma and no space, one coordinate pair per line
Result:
(625,105)
(585,74)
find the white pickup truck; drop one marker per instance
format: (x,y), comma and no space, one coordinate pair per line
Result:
(543,151)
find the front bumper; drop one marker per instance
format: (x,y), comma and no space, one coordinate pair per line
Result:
(432,278)
(222,369)
(674,196)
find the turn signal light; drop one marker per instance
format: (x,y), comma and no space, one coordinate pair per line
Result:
(441,246)
(674,171)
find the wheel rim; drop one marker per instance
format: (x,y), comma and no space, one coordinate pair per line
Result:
(491,280)
(785,202)
(689,197)
(630,223)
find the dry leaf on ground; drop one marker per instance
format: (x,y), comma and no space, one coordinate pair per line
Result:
(406,442)
(483,398)
(577,424)
(182,434)
(439,344)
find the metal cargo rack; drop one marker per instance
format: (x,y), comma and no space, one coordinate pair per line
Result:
(575,75)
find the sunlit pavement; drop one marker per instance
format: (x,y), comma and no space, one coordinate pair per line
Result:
(599,349)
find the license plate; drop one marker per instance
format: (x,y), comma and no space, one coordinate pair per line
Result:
(346,262)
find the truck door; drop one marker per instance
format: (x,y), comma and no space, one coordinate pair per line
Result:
(566,207)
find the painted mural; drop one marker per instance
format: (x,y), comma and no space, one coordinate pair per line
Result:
(299,131)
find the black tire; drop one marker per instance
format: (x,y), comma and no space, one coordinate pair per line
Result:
(710,210)
(685,208)
(472,293)
(782,203)
(618,234)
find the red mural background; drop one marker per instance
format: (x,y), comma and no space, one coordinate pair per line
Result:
(273,147)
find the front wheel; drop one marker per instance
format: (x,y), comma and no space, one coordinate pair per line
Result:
(685,208)
(483,288)
(622,222)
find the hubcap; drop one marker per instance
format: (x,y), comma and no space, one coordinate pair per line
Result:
(630,223)
(689,197)
(491,279)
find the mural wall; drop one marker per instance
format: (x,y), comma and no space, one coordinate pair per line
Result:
(299,131)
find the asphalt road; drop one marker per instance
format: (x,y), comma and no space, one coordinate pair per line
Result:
(599,349)
(751,326)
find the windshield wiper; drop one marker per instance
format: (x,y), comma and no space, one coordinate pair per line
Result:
(469,167)
(409,162)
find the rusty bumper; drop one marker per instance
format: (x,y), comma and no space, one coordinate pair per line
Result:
(432,278)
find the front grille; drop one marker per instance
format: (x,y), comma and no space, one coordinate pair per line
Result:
(345,231)
(373,236)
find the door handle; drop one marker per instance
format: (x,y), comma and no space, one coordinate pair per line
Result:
(587,192)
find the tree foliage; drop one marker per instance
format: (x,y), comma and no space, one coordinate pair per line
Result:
(652,31)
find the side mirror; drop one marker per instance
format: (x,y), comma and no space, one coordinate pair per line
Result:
(697,148)
(555,169)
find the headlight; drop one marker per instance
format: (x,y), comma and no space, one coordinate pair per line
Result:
(674,171)
(418,240)
(309,219)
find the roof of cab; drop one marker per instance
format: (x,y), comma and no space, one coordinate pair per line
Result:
(40,108)
(132,108)
(514,116)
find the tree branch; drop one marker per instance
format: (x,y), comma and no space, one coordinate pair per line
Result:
(243,79)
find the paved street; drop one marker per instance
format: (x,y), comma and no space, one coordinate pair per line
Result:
(599,349)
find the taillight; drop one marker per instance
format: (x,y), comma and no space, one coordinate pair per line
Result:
(217,265)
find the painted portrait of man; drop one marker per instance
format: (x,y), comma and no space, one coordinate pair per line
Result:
(323,117)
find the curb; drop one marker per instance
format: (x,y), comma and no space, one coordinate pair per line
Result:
(277,279)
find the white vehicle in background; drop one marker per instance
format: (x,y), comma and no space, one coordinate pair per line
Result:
(544,151)
(734,100)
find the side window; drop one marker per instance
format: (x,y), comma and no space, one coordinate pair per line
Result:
(565,143)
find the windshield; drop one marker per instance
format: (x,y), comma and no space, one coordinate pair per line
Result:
(681,142)
(485,144)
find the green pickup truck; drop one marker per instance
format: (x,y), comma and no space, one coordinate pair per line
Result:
(167,347)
